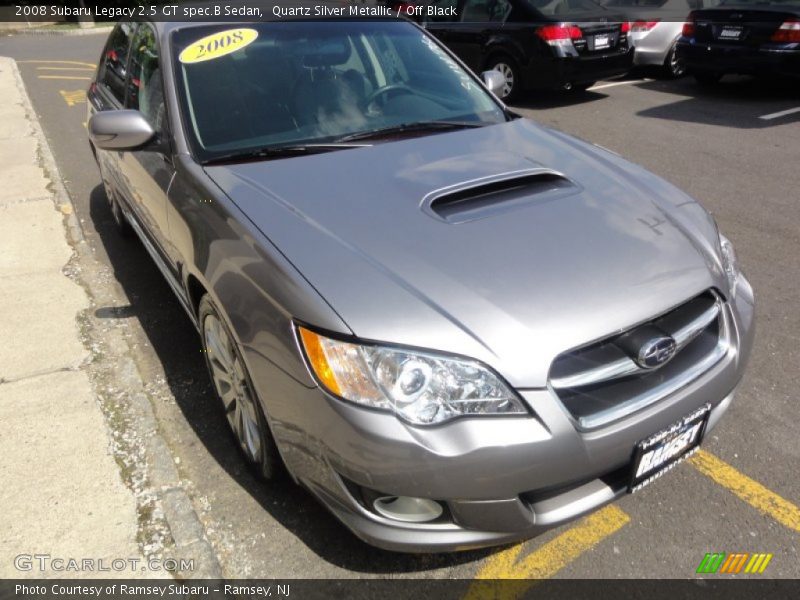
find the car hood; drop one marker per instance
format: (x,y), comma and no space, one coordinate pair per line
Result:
(536,273)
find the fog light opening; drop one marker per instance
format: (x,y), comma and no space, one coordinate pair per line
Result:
(405,508)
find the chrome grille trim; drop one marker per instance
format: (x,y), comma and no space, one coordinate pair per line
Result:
(615,370)
(691,330)
(624,367)
(599,383)
(658,392)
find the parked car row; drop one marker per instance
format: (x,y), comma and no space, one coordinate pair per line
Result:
(570,44)
(536,44)
(656,26)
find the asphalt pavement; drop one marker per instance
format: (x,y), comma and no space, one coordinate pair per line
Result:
(735,148)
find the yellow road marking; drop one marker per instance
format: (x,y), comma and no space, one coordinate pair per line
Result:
(59,62)
(65,68)
(545,561)
(62,77)
(73,97)
(752,492)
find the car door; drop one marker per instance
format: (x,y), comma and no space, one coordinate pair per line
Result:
(148,172)
(107,92)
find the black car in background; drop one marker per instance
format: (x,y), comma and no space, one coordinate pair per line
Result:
(744,37)
(535,44)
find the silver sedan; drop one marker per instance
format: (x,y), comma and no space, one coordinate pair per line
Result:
(453,326)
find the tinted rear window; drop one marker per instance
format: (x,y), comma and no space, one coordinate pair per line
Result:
(113,69)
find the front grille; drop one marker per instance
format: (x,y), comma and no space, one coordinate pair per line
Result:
(603,382)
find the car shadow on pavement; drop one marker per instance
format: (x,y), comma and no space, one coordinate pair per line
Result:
(543,99)
(736,102)
(174,341)
(555,99)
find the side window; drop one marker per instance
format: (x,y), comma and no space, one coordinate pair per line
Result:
(145,88)
(115,60)
(480,11)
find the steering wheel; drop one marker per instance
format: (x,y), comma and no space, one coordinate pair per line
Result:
(386,91)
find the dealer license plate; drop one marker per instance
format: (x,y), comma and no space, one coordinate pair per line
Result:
(660,452)
(731,33)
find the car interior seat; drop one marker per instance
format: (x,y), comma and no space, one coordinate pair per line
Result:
(327,99)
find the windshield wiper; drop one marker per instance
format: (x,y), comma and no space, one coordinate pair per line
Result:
(270,152)
(410,127)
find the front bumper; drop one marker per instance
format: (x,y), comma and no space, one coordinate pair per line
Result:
(774,59)
(557,73)
(501,479)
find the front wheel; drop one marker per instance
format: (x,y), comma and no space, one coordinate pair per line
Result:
(235,391)
(120,220)
(508,68)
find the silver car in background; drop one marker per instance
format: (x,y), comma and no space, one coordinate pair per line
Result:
(656,26)
(452,325)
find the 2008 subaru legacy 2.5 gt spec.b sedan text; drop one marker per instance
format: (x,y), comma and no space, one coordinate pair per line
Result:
(455,327)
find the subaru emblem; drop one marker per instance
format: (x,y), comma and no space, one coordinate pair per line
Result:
(656,352)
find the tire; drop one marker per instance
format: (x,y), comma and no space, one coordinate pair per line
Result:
(234,389)
(707,78)
(673,67)
(120,220)
(507,66)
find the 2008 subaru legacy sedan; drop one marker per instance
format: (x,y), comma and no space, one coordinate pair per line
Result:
(454,326)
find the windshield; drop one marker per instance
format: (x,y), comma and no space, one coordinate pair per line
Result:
(307,82)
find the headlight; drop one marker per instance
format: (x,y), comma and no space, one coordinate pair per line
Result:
(729,263)
(420,388)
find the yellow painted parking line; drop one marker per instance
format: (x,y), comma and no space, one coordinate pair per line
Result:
(63,77)
(752,492)
(73,97)
(65,68)
(59,62)
(547,560)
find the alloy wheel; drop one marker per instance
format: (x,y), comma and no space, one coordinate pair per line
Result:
(233,388)
(507,72)
(675,66)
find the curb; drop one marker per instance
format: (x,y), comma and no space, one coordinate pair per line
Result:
(64,32)
(164,489)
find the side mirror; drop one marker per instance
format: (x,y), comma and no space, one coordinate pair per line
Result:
(120,130)
(495,81)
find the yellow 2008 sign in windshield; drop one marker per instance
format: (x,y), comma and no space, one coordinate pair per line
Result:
(218,44)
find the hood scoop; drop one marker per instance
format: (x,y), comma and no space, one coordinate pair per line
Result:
(497,194)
